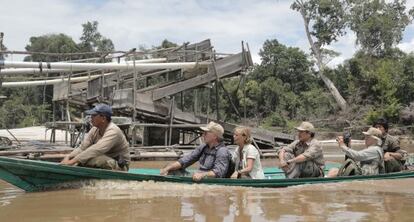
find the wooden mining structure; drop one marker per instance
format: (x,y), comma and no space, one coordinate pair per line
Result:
(154,102)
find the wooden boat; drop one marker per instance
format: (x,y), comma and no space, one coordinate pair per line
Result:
(32,175)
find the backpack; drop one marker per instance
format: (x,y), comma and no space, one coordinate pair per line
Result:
(349,168)
(232,166)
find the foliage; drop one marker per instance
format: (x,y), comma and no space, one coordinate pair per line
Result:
(378,24)
(328,21)
(327,17)
(93,41)
(21,109)
(54,43)
(27,106)
(2,47)
(283,87)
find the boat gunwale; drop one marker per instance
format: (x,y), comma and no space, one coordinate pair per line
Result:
(92,173)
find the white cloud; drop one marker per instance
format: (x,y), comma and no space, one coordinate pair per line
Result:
(130,23)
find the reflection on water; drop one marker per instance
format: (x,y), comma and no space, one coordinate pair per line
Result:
(132,201)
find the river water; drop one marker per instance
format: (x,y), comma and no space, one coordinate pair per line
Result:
(383,200)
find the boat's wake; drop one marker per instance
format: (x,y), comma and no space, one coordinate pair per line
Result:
(149,189)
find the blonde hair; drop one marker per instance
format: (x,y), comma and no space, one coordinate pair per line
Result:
(246,133)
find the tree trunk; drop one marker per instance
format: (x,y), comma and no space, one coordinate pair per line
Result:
(318,55)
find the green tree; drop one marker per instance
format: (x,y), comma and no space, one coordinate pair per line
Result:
(378,24)
(54,43)
(166,44)
(375,85)
(92,40)
(324,22)
(282,88)
(289,64)
(2,47)
(406,84)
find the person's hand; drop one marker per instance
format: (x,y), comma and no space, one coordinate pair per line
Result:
(65,160)
(235,175)
(164,172)
(340,140)
(387,157)
(199,176)
(284,165)
(70,162)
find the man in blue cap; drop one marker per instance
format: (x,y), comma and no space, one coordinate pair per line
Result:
(105,146)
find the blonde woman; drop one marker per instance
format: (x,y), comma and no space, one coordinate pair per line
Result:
(246,156)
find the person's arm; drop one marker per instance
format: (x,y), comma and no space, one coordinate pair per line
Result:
(200,175)
(288,148)
(251,155)
(393,155)
(395,151)
(192,157)
(299,159)
(314,151)
(361,155)
(248,168)
(173,166)
(102,146)
(221,164)
(87,141)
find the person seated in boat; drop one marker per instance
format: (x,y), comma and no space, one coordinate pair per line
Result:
(369,161)
(213,156)
(303,157)
(246,157)
(394,156)
(105,145)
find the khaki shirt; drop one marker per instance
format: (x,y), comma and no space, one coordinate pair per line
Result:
(112,143)
(312,150)
(390,143)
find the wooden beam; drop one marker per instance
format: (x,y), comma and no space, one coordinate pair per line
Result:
(227,66)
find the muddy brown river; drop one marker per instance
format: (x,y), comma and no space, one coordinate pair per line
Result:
(383,200)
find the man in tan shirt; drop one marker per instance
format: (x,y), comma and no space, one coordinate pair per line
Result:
(303,157)
(105,146)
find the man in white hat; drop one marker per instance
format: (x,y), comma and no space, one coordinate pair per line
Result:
(213,156)
(369,161)
(304,157)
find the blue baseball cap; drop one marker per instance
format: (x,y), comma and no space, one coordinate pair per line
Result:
(100,109)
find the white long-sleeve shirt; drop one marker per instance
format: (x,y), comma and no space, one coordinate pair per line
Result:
(370,159)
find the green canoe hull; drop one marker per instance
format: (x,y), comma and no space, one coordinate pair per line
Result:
(31,175)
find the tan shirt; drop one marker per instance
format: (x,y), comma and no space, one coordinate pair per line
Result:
(390,143)
(112,143)
(312,150)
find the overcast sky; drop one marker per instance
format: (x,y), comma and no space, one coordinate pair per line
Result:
(130,23)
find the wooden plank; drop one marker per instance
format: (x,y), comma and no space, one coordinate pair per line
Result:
(227,66)
(24,152)
(123,98)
